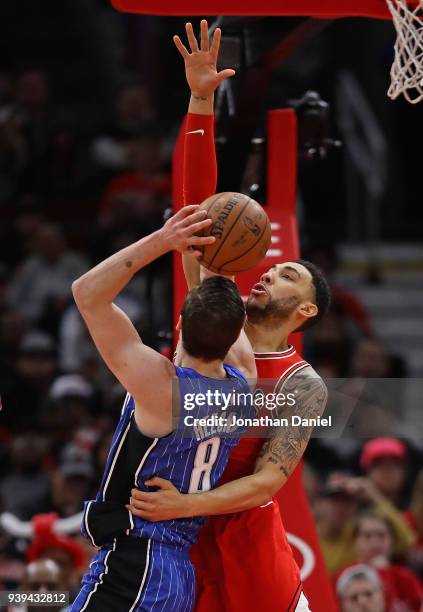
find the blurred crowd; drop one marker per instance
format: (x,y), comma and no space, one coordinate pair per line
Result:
(67,200)
(370,524)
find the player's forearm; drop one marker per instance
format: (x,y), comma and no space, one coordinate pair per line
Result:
(104,282)
(191,269)
(236,496)
(199,169)
(200,166)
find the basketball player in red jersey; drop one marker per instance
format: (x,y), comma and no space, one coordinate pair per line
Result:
(243,559)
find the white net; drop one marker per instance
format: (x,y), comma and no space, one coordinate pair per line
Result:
(407,68)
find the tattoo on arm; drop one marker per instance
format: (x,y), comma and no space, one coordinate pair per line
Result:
(287,444)
(272,459)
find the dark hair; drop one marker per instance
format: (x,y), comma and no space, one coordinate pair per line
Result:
(375,514)
(212,317)
(322,293)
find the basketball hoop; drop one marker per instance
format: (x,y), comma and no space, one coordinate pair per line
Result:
(407,68)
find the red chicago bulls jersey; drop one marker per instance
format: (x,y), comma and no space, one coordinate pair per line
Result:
(243,560)
(277,366)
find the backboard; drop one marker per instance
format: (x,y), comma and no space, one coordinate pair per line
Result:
(311,8)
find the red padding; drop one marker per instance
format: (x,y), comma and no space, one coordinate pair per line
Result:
(313,8)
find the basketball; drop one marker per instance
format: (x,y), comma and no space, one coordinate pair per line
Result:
(242,231)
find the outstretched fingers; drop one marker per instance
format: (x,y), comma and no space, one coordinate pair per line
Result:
(180,46)
(204,28)
(191,37)
(214,50)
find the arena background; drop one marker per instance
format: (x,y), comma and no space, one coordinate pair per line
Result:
(91,102)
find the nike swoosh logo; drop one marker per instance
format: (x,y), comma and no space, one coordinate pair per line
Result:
(268,504)
(197,132)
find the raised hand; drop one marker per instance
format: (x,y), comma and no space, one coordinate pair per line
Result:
(200,65)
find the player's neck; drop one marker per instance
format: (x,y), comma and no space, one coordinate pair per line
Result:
(265,340)
(211,369)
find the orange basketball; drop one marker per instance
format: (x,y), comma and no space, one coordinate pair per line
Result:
(242,232)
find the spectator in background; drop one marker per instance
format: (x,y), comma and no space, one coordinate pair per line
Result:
(336,507)
(385,399)
(102,451)
(4,301)
(26,488)
(24,393)
(370,360)
(142,189)
(74,340)
(12,328)
(17,233)
(12,331)
(375,546)
(70,407)
(41,576)
(44,279)
(134,112)
(32,110)
(383,460)
(59,175)
(311,483)
(374,543)
(5,88)
(326,257)
(73,481)
(132,206)
(329,345)
(64,550)
(414,518)
(359,589)
(134,108)
(12,569)
(76,393)
(14,157)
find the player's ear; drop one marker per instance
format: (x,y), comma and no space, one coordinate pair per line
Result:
(308,309)
(179,324)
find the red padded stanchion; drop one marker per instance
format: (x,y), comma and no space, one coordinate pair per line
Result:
(281,207)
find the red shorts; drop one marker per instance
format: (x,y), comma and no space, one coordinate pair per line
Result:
(244,563)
